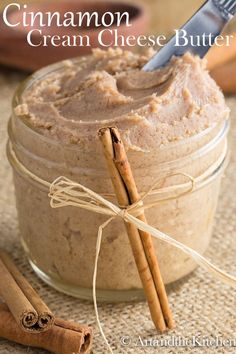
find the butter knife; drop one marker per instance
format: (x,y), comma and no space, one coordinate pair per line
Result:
(209,20)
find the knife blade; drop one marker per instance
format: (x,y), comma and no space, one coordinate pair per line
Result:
(207,22)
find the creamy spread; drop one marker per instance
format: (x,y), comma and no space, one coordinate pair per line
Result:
(150,108)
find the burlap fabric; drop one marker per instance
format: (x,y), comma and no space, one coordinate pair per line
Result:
(203,307)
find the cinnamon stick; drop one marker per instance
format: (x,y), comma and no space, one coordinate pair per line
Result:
(62,338)
(28,309)
(141,242)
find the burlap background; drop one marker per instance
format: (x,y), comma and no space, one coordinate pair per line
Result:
(202,306)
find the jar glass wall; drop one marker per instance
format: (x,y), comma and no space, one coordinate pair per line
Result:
(60,243)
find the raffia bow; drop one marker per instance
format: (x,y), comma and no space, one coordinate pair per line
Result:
(64,192)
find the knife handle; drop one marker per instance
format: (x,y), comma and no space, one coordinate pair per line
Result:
(226,7)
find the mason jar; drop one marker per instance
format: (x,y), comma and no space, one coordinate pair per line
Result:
(60,243)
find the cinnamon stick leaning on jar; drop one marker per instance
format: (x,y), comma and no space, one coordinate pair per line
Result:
(28,309)
(141,242)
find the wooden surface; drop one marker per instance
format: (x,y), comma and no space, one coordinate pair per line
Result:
(166,15)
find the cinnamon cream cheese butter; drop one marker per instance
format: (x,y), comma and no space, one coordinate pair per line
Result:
(151,108)
(173,122)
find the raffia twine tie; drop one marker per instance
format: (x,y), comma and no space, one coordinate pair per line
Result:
(64,192)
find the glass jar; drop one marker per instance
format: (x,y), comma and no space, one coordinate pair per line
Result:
(60,243)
